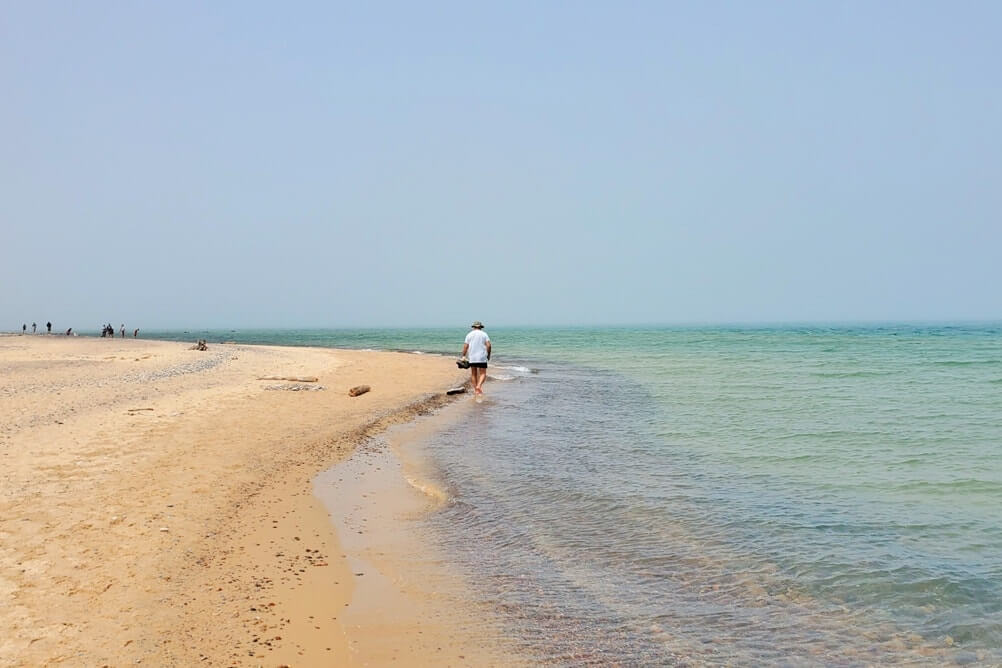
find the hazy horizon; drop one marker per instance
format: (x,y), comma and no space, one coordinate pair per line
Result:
(462,326)
(193,166)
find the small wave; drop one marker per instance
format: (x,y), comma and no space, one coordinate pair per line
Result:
(771,459)
(430,490)
(417,352)
(965,485)
(850,374)
(966,362)
(504,372)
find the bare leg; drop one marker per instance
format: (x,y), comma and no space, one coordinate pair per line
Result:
(481,377)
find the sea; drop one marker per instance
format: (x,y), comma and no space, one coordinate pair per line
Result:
(722,495)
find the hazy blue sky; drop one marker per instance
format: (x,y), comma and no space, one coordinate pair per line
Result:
(297,164)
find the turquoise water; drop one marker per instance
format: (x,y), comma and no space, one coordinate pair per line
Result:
(826,495)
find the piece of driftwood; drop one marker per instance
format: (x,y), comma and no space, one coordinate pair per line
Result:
(296,387)
(358,389)
(296,379)
(201,345)
(455,390)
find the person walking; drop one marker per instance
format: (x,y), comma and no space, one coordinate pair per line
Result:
(32,328)
(48,327)
(477,349)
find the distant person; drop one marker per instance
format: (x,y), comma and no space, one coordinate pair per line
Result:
(32,328)
(48,327)
(69,331)
(477,349)
(24,329)
(135,332)
(123,330)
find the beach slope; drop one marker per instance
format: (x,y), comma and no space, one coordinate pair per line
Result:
(156,503)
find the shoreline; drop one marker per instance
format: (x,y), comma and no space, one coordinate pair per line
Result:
(408,604)
(158,503)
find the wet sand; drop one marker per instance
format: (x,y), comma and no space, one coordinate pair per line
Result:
(411,606)
(157,505)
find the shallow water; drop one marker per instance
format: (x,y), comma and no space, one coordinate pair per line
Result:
(728,495)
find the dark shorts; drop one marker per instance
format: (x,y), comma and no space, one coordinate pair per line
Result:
(478,365)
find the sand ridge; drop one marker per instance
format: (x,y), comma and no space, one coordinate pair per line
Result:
(155,501)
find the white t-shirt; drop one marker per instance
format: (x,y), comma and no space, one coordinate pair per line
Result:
(477,340)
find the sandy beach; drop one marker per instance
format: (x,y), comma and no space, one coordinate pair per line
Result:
(157,502)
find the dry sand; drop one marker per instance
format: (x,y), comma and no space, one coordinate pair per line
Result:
(156,503)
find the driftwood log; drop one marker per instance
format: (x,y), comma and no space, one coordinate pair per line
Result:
(296,379)
(456,390)
(358,389)
(295,387)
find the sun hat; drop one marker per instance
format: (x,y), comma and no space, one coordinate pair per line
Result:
(477,324)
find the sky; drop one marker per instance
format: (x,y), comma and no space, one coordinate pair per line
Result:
(245,164)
